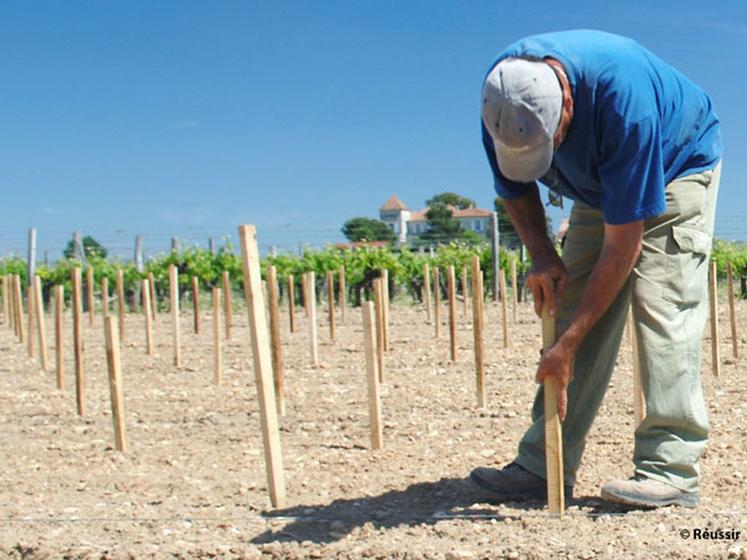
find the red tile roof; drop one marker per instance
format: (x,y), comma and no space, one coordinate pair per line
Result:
(394,203)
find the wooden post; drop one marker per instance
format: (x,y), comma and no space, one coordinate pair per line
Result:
(148,317)
(427,290)
(104,296)
(31,262)
(291,304)
(514,290)
(277,357)
(262,365)
(477,324)
(174,306)
(59,307)
(39,307)
(385,293)
(379,303)
(732,310)
(715,354)
(374,401)
(89,291)
(196,304)
(495,252)
(153,300)
(465,294)
(342,290)
(19,306)
(553,428)
(218,351)
(115,382)
(30,303)
(504,307)
(437,300)
(78,340)
(331,302)
(305,292)
(310,298)
(227,303)
(452,313)
(6,307)
(121,304)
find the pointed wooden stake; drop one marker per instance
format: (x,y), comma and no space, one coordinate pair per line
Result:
(148,314)
(291,304)
(379,303)
(174,305)
(262,365)
(374,401)
(196,304)
(553,429)
(437,300)
(427,291)
(715,352)
(115,383)
(121,304)
(504,308)
(39,307)
(732,310)
(477,325)
(227,303)
(78,341)
(452,313)
(59,307)
(277,356)
(89,292)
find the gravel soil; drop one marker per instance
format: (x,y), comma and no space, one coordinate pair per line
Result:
(193,484)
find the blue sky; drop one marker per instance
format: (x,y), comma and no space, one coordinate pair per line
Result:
(188,118)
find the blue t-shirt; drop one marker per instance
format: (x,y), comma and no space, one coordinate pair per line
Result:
(638,123)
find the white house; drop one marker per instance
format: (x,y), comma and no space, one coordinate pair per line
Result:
(408,224)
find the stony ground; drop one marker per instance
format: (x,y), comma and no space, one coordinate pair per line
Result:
(193,482)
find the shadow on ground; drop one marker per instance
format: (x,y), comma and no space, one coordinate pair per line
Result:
(421,503)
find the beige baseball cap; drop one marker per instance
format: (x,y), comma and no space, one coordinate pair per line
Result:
(521,105)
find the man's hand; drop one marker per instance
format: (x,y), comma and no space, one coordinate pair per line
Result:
(556,364)
(547,280)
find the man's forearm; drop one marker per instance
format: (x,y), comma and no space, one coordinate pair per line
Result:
(619,254)
(528,217)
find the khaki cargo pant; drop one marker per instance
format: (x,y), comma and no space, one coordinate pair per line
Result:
(668,293)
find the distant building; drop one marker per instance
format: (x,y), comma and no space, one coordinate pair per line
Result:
(409,225)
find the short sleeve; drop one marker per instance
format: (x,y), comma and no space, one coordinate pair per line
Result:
(504,187)
(631,170)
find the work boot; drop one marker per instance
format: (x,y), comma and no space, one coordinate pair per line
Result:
(513,483)
(643,492)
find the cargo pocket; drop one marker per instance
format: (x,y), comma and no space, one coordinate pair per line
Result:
(687,274)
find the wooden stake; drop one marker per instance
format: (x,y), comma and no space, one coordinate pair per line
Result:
(104,296)
(291,304)
(78,340)
(262,365)
(19,306)
(504,308)
(59,306)
(342,290)
(732,310)
(277,357)
(227,303)
(465,294)
(30,302)
(121,304)
(6,307)
(715,354)
(331,303)
(196,304)
(452,313)
(89,291)
(148,317)
(305,292)
(514,290)
(374,401)
(477,324)
(310,299)
(153,300)
(553,429)
(437,300)
(218,351)
(115,383)
(11,302)
(379,302)
(385,293)
(427,290)
(39,307)
(174,307)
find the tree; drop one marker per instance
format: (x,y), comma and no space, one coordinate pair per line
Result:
(451,199)
(367,229)
(91,248)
